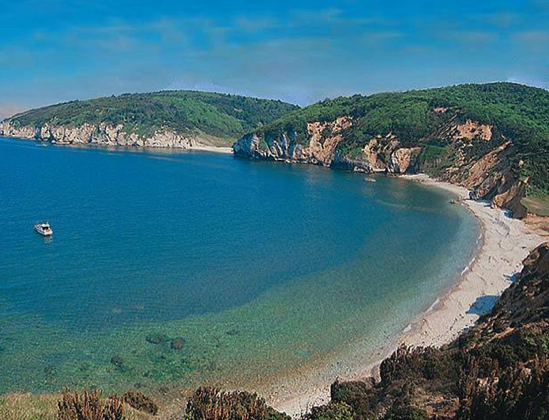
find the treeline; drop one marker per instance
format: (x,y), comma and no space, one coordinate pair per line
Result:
(228,116)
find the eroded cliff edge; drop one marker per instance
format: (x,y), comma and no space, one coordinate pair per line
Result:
(490,176)
(492,139)
(102,135)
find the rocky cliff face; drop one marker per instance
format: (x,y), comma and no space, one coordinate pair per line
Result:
(323,138)
(102,134)
(490,176)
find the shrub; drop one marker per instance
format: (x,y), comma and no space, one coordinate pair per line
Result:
(516,393)
(406,412)
(140,402)
(211,404)
(418,364)
(356,394)
(88,406)
(330,411)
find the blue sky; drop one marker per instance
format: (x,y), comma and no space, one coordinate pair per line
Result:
(298,51)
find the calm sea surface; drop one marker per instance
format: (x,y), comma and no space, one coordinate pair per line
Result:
(174,269)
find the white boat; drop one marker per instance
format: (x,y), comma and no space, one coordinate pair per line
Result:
(43,229)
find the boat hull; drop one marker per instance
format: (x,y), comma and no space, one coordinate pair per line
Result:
(43,232)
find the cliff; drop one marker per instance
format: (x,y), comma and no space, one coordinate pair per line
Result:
(176,119)
(101,135)
(455,134)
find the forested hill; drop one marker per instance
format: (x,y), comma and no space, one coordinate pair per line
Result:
(456,132)
(182,112)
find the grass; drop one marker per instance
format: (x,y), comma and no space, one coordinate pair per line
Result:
(29,406)
(26,406)
(537,205)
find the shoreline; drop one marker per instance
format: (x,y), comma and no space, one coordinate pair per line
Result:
(214,149)
(200,148)
(503,245)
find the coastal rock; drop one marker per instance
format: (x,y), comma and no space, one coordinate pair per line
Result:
(491,176)
(403,160)
(177,344)
(9,130)
(156,338)
(117,361)
(375,151)
(100,135)
(322,140)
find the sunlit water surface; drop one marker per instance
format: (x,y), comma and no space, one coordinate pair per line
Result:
(174,269)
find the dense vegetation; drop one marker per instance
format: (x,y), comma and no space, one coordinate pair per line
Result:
(516,112)
(220,115)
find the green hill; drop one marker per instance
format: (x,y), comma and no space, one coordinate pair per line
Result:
(219,115)
(445,131)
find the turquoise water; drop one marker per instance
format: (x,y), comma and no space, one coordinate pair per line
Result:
(258,268)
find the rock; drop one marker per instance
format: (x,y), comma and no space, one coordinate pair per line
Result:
(323,138)
(470,130)
(156,338)
(117,361)
(99,134)
(177,344)
(402,160)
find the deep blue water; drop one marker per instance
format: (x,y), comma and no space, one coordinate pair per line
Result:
(190,243)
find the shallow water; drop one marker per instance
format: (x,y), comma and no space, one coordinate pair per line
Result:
(259,268)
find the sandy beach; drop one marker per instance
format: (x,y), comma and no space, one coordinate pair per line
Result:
(215,149)
(504,245)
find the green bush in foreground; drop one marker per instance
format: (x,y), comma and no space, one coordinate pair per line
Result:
(406,413)
(331,411)
(212,404)
(89,406)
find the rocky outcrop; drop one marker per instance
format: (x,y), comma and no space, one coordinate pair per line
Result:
(472,130)
(492,176)
(323,139)
(402,160)
(380,154)
(100,135)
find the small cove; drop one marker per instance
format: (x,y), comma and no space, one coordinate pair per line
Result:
(258,268)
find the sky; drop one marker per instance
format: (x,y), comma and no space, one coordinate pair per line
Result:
(298,51)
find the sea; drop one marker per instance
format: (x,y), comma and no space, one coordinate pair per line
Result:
(172,269)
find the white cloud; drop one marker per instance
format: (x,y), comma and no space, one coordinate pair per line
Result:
(534,40)
(529,81)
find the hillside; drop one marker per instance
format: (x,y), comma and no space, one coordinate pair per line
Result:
(170,119)
(492,138)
